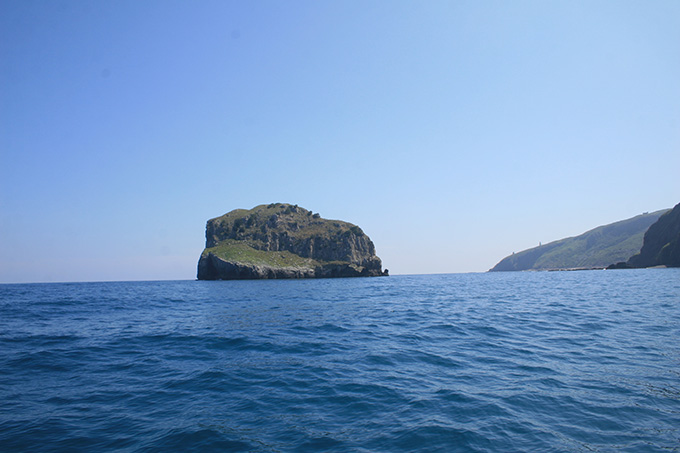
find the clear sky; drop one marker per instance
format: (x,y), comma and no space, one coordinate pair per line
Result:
(452,132)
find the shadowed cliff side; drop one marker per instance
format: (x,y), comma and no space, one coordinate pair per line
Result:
(661,244)
(285,241)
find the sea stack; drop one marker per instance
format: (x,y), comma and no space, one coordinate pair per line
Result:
(280,240)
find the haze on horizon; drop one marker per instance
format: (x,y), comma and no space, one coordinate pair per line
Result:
(452,133)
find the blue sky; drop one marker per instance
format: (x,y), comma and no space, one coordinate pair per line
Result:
(452,132)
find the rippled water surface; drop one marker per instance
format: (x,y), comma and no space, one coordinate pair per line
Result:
(550,361)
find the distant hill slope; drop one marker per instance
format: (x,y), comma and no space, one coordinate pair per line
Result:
(661,245)
(596,248)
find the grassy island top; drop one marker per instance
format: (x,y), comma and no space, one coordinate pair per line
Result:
(242,252)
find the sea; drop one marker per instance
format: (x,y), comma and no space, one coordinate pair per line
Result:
(577,361)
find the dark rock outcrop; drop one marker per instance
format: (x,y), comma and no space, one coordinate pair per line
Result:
(285,241)
(661,244)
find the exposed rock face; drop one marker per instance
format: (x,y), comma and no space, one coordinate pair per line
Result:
(285,241)
(661,245)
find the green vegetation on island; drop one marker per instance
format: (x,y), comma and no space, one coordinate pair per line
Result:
(241,252)
(280,240)
(593,249)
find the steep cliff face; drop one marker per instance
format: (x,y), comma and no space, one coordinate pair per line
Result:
(661,245)
(285,241)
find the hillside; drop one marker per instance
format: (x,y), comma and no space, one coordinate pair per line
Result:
(284,241)
(661,244)
(596,248)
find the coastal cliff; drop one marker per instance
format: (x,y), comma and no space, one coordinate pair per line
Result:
(596,248)
(661,244)
(285,241)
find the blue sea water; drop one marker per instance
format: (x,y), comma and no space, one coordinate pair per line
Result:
(544,361)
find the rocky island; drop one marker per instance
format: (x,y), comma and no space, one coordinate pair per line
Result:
(280,240)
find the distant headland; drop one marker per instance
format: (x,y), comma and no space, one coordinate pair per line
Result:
(646,240)
(281,240)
